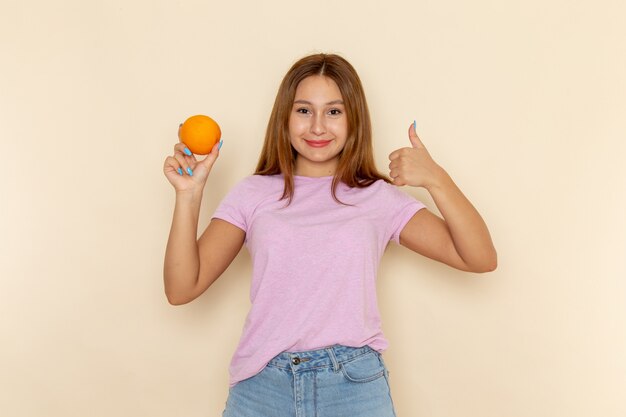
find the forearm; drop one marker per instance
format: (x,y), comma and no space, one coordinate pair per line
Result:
(182,263)
(468,230)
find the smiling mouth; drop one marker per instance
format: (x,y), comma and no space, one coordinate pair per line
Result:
(317,143)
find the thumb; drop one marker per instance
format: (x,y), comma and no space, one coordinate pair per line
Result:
(212,156)
(415,140)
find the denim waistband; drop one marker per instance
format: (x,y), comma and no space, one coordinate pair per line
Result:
(330,356)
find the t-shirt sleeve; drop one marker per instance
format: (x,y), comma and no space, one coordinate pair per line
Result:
(401,207)
(233,207)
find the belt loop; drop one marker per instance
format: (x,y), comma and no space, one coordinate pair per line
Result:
(333,358)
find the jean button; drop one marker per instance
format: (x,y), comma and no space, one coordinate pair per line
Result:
(295,360)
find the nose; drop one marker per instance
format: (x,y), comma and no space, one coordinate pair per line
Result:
(318,126)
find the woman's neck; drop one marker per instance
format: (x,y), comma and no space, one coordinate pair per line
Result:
(313,169)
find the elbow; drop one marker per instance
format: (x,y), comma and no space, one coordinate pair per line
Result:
(177,298)
(178,289)
(490,267)
(493,261)
(487,264)
(176,301)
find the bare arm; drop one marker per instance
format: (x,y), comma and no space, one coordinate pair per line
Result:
(461,239)
(191,265)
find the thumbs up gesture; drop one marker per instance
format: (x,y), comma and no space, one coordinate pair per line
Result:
(414,166)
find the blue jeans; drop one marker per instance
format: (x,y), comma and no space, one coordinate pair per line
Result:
(337,381)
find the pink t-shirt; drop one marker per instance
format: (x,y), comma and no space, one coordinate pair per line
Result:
(314,264)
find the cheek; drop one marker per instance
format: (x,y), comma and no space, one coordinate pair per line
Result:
(341,128)
(295,127)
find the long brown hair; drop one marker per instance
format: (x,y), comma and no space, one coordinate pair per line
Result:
(356,167)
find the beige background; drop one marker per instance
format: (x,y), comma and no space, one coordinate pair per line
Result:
(523,102)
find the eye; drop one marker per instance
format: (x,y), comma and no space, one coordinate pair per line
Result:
(302,110)
(336,112)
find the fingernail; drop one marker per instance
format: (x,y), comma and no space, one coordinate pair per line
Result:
(220,145)
(180,170)
(187,151)
(189,171)
(414,128)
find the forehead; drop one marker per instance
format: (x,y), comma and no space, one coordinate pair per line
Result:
(318,88)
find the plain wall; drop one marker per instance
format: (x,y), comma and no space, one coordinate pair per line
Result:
(523,103)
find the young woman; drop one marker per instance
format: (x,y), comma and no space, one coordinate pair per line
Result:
(316,217)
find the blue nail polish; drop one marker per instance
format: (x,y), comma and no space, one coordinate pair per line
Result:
(220,145)
(414,128)
(180,170)
(189,171)
(187,151)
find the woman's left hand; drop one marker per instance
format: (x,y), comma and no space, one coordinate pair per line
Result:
(414,166)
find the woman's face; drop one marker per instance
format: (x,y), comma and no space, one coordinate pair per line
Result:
(318,126)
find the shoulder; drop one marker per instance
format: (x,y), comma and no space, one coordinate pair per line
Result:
(389,195)
(384,188)
(259,182)
(253,187)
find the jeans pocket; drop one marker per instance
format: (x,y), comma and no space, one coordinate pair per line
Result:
(364,368)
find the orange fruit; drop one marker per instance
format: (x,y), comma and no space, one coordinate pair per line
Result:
(200,133)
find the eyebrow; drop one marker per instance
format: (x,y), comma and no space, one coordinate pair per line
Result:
(329,103)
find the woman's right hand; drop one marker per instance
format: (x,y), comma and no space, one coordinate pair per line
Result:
(185,172)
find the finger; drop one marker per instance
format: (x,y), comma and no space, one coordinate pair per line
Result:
(398,180)
(212,156)
(171,164)
(184,163)
(415,140)
(397,153)
(184,150)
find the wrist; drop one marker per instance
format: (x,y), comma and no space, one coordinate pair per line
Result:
(189,196)
(441,180)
